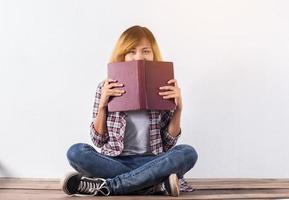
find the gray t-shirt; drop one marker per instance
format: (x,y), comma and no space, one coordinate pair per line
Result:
(136,136)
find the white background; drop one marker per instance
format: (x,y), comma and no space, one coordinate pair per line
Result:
(231,61)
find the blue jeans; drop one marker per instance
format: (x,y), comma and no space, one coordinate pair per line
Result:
(130,174)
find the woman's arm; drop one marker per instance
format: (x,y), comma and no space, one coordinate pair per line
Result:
(174,128)
(99,124)
(98,128)
(107,90)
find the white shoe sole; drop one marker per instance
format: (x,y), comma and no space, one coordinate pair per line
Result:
(174,185)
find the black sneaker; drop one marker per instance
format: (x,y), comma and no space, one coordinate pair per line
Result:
(159,189)
(79,185)
(153,190)
(172,185)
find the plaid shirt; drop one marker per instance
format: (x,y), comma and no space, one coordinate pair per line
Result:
(111,144)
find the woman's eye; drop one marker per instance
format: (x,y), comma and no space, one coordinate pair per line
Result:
(147,51)
(131,52)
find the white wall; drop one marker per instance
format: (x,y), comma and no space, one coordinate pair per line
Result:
(231,60)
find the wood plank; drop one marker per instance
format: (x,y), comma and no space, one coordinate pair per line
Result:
(200,184)
(30,183)
(240,194)
(239,183)
(15,194)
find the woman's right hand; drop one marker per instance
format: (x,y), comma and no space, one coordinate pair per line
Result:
(108,90)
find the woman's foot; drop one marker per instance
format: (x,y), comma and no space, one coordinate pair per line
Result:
(172,185)
(77,184)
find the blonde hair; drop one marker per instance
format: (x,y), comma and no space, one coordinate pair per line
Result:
(129,39)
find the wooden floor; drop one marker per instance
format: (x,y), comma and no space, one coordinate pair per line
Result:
(44,189)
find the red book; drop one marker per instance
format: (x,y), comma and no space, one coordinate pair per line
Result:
(141,79)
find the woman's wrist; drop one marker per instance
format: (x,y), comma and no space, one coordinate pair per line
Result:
(179,108)
(102,105)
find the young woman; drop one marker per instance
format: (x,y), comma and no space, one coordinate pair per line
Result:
(138,151)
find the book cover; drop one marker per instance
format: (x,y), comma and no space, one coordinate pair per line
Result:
(141,79)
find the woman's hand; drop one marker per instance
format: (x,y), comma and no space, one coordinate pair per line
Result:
(172,92)
(109,90)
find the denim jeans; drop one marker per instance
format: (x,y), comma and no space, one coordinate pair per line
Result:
(130,174)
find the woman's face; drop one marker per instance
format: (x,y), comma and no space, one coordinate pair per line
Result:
(143,51)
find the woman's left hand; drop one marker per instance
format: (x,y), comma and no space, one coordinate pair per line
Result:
(169,92)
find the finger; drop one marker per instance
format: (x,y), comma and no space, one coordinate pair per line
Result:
(167,93)
(167,87)
(109,80)
(117,90)
(117,93)
(172,81)
(110,93)
(113,85)
(169,97)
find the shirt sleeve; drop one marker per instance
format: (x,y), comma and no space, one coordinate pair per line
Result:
(97,139)
(168,140)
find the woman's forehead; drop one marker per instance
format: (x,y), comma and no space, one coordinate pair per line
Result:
(143,43)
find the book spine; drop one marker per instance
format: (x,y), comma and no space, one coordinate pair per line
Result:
(142,88)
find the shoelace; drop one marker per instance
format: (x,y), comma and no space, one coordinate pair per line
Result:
(90,187)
